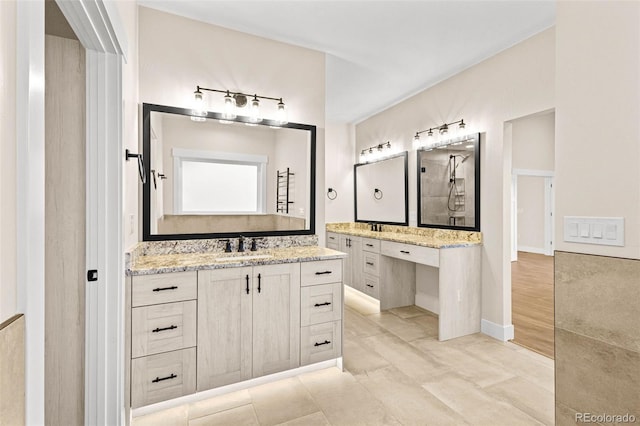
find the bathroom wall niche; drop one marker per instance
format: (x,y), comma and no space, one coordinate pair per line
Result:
(381,191)
(449,185)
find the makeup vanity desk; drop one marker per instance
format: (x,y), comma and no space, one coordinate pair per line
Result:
(436,269)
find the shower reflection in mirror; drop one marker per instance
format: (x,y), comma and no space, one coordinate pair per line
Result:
(449,185)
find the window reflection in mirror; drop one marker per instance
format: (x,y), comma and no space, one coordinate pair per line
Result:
(213,178)
(449,185)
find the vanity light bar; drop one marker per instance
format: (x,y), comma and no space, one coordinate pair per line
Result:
(442,130)
(235,100)
(379,148)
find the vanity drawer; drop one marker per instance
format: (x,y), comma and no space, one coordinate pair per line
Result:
(162,328)
(372,286)
(333,241)
(320,342)
(163,288)
(370,244)
(320,303)
(371,263)
(321,272)
(412,253)
(164,376)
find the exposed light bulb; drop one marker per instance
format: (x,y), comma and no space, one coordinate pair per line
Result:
(416,138)
(198,105)
(281,115)
(462,126)
(444,129)
(229,107)
(254,112)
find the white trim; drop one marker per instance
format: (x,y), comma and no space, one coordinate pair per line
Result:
(30,182)
(537,250)
(101,33)
(514,218)
(549,208)
(197,154)
(533,172)
(500,332)
(222,390)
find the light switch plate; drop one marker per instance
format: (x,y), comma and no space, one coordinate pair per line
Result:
(607,231)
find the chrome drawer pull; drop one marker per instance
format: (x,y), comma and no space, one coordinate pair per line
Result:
(173,287)
(370,263)
(326,342)
(322,304)
(405,252)
(323,273)
(158,330)
(159,379)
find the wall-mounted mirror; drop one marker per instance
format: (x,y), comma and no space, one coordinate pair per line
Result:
(215,178)
(382,191)
(449,185)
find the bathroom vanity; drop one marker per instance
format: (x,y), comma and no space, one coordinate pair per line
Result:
(203,320)
(436,269)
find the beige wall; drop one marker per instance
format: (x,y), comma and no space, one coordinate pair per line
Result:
(517,82)
(128,11)
(597,126)
(534,142)
(8,223)
(176,54)
(340,148)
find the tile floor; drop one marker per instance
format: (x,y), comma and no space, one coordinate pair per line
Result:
(397,373)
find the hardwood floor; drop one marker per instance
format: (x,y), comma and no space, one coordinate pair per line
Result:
(396,373)
(532,302)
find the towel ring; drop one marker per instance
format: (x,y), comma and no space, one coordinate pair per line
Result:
(375,194)
(332,191)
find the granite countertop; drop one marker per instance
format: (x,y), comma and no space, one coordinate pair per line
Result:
(163,263)
(425,237)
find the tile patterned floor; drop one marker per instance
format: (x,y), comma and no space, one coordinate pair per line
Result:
(397,373)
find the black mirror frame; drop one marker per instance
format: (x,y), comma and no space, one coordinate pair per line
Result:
(476,227)
(146,188)
(404,154)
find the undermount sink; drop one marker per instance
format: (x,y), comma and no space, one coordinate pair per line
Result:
(243,257)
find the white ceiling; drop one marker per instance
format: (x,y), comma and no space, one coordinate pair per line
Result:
(379,52)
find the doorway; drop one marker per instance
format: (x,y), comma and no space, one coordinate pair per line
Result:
(532,231)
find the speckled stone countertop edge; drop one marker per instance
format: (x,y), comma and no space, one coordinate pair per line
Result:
(356,229)
(190,261)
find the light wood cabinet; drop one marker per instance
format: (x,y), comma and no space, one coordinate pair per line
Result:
(162,332)
(248,323)
(333,241)
(225,309)
(353,263)
(198,330)
(276,318)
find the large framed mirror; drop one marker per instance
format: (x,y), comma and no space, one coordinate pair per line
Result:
(449,184)
(209,177)
(382,190)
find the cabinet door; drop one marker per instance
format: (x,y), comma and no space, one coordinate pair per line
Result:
(276,318)
(224,327)
(348,261)
(357,280)
(333,241)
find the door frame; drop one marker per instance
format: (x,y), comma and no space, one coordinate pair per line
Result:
(549,208)
(99,29)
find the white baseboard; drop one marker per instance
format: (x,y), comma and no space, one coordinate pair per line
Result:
(428,302)
(537,250)
(500,332)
